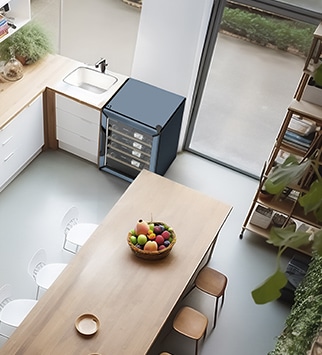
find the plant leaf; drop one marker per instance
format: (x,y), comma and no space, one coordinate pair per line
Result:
(290,171)
(269,290)
(312,200)
(317,243)
(288,236)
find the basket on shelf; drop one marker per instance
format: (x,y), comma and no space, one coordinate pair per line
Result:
(153,255)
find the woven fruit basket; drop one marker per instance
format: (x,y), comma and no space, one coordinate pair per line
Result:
(154,243)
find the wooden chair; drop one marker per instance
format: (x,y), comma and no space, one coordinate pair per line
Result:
(213,283)
(191,324)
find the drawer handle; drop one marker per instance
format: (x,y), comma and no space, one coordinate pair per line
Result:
(7,141)
(9,156)
(86,121)
(86,139)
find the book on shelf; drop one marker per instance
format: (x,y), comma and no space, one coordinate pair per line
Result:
(302,141)
(301,126)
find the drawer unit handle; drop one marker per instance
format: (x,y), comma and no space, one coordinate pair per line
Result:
(85,138)
(7,141)
(9,156)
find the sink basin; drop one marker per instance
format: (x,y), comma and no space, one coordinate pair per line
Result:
(90,80)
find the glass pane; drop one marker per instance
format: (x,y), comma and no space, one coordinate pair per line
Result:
(248,90)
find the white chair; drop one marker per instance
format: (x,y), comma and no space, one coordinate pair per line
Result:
(75,233)
(44,274)
(13,312)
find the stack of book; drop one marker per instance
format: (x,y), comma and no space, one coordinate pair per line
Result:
(300,133)
(4,27)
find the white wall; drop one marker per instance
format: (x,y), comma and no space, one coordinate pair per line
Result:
(169,44)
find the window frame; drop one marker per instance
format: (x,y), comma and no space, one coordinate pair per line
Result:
(284,9)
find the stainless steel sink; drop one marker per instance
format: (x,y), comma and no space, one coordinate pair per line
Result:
(90,80)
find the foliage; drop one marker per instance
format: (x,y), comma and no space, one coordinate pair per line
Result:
(284,175)
(31,42)
(305,318)
(265,29)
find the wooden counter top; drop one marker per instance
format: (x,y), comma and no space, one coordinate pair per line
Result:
(131,297)
(16,95)
(47,72)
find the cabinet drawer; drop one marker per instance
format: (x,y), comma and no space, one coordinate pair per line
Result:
(80,142)
(77,125)
(8,139)
(77,109)
(10,164)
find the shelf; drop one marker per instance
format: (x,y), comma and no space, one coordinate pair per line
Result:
(307,109)
(285,206)
(288,142)
(19,11)
(265,234)
(318,32)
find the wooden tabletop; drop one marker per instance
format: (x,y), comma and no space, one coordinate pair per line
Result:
(131,297)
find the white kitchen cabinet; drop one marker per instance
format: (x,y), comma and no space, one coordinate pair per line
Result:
(77,128)
(21,140)
(19,13)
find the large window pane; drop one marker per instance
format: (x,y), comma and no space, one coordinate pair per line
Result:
(248,90)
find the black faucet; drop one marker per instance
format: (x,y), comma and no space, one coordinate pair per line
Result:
(102,64)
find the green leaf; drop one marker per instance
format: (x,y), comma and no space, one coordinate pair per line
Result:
(312,200)
(270,289)
(317,243)
(285,174)
(288,236)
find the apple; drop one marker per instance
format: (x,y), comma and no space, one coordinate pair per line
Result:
(151,245)
(141,227)
(166,234)
(133,239)
(161,247)
(142,239)
(159,239)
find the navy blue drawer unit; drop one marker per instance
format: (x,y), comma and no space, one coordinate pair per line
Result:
(140,129)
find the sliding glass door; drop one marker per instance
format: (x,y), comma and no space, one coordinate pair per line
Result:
(247,89)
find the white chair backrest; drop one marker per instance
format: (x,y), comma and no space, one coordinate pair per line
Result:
(37,262)
(5,295)
(70,219)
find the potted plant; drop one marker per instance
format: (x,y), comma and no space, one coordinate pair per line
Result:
(280,178)
(30,43)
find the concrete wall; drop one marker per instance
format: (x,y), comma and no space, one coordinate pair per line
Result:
(169,44)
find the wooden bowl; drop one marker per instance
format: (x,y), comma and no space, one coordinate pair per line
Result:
(152,255)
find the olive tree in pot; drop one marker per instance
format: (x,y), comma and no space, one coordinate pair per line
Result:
(283,176)
(30,43)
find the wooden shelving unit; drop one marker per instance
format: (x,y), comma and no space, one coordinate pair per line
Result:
(298,110)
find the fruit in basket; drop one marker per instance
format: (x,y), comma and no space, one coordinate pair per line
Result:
(151,245)
(142,239)
(141,227)
(156,238)
(158,229)
(133,239)
(159,239)
(166,234)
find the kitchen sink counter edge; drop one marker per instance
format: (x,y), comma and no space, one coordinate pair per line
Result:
(48,72)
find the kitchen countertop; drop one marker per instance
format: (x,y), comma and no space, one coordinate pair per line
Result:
(48,72)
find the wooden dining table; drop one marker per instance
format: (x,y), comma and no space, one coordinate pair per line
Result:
(132,298)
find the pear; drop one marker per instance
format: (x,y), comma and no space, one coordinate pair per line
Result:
(141,227)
